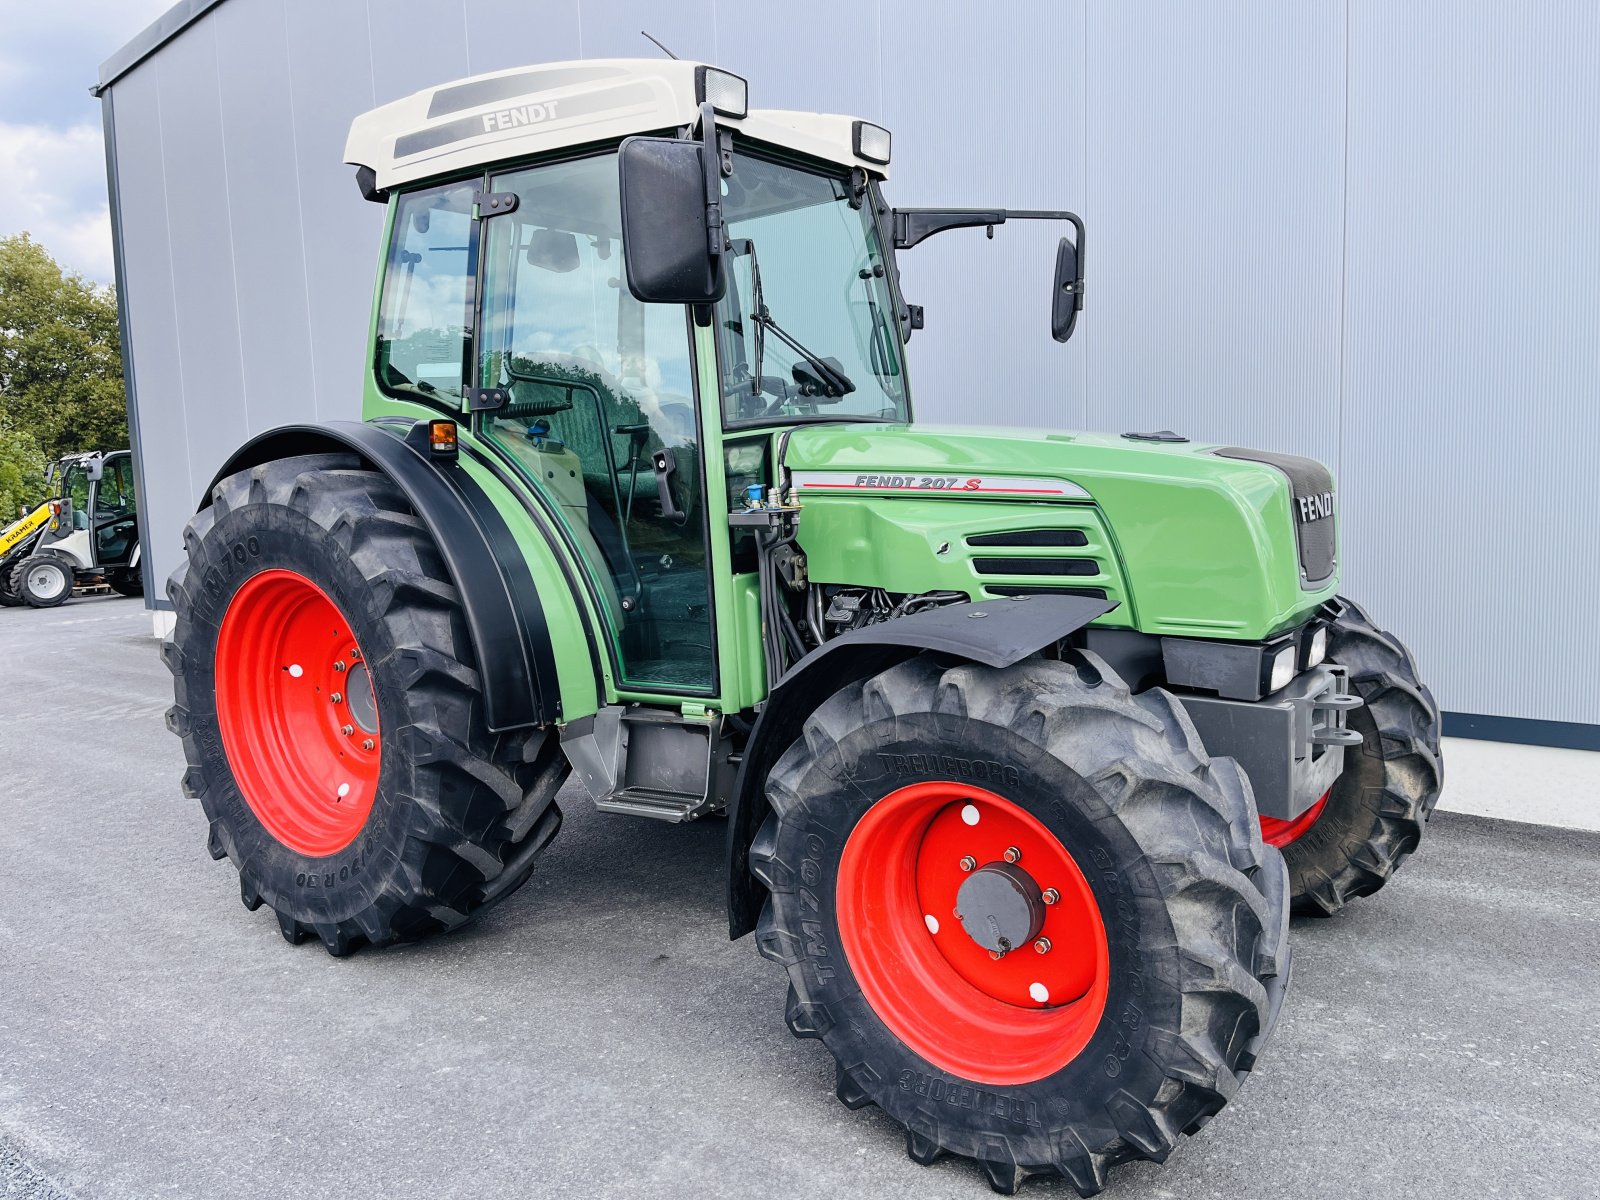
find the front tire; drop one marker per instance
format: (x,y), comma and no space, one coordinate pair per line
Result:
(328,702)
(43,581)
(1372,819)
(1167,959)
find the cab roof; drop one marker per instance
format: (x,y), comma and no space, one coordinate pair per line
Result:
(526,111)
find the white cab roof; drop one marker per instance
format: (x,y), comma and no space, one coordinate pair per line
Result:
(533,110)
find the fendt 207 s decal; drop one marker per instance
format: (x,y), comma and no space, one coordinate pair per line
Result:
(984,485)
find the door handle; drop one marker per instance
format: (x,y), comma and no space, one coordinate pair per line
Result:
(666,462)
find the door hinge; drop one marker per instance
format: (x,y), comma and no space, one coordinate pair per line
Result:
(493,204)
(475,399)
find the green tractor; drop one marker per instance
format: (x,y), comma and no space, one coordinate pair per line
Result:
(1027,743)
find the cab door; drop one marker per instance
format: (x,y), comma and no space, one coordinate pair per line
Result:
(601,416)
(112,510)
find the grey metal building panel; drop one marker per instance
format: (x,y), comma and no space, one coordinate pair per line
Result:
(268,245)
(330,72)
(499,37)
(610,28)
(205,294)
(149,315)
(1216,188)
(830,48)
(398,29)
(1472,407)
(1354,230)
(988,111)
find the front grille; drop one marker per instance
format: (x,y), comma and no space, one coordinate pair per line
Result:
(1317,539)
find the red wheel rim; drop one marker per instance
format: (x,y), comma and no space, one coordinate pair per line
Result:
(298,716)
(1280,833)
(1006,1021)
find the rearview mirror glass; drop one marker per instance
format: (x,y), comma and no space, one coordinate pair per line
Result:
(665,245)
(1067,296)
(553,250)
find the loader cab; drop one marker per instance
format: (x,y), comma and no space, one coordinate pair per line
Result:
(506,300)
(97,526)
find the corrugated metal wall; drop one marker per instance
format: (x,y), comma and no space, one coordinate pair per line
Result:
(1360,231)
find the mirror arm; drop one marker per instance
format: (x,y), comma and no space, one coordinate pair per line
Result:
(716,156)
(913,225)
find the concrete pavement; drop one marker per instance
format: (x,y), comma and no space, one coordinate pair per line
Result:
(597,1034)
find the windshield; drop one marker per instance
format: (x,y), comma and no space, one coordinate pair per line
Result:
(807,329)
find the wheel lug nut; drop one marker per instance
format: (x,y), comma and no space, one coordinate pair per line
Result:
(347,730)
(1013,854)
(1050,896)
(997,955)
(1042,945)
(337,698)
(968,862)
(339,666)
(368,744)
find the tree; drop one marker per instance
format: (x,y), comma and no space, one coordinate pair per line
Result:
(21,475)
(60,354)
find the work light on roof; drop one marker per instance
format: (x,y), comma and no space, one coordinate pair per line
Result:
(872,142)
(726,92)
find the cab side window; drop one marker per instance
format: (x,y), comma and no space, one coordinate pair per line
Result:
(600,387)
(424,313)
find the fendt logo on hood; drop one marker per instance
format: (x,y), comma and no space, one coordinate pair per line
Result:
(1314,508)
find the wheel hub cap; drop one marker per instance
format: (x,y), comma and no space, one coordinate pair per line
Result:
(46,581)
(1001,907)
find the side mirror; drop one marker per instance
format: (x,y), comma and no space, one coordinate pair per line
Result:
(96,469)
(1067,296)
(672,235)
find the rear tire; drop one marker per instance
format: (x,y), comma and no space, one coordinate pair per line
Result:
(43,581)
(453,814)
(1374,815)
(1188,906)
(129,582)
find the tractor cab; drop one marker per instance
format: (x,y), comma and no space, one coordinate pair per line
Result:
(510,298)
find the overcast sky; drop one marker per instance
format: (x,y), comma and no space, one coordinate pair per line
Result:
(52,164)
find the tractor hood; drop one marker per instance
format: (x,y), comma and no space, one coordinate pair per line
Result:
(1191,539)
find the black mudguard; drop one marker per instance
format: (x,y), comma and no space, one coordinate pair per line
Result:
(994,632)
(510,637)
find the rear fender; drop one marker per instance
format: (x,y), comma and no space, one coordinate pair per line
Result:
(996,633)
(505,618)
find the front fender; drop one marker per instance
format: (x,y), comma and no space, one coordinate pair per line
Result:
(996,633)
(505,617)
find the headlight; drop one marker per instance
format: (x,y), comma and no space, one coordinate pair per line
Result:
(1318,649)
(871,142)
(723,90)
(1282,668)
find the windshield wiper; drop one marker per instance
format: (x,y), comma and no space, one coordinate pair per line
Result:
(835,382)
